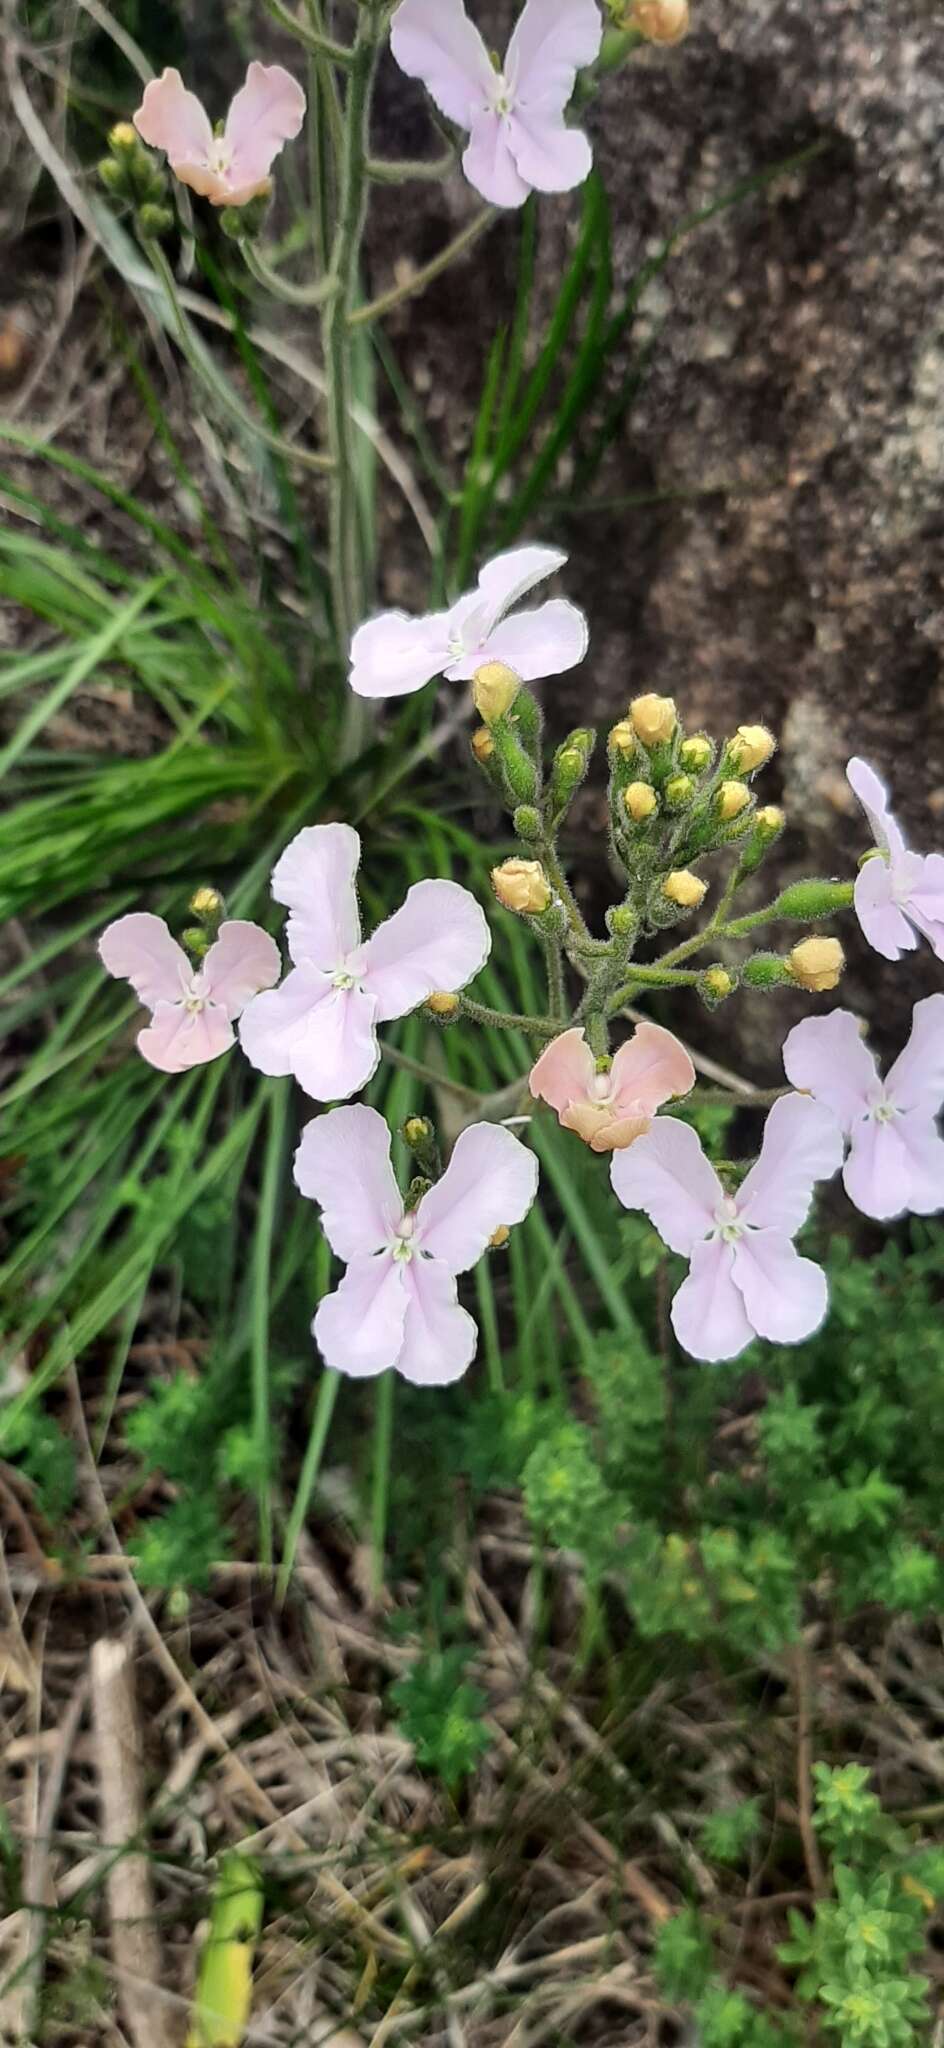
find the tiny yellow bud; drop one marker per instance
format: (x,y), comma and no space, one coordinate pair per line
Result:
(416,1129)
(771,819)
(719,984)
(622,738)
(751,748)
(661,21)
(640,800)
(483,745)
(684,888)
(206,903)
(499,1237)
(122,136)
(679,791)
(522,885)
(442,1003)
(494,690)
(695,753)
(732,799)
(816,964)
(654,719)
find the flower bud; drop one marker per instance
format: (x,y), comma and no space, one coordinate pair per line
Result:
(684,888)
(813,899)
(527,822)
(494,689)
(622,738)
(764,970)
(112,174)
(770,821)
(654,719)
(123,136)
(196,941)
(499,1238)
(679,791)
(482,744)
(696,753)
(522,885)
(442,1003)
(731,800)
(816,964)
(751,747)
(206,902)
(622,921)
(418,1131)
(660,21)
(716,985)
(153,222)
(640,801)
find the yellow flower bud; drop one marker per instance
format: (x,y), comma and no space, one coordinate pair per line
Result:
(483,745)
(718,983)
(732,799)
(684,888)
(499,1238)
(679,791)
(751,748)
(695,753)
(522,885)
(442,1003)
(640,800)
(122,136)
(494,690)
(661,21)
(816,964)
(771,819)
(416,1129)
(654,719)
(206,903)
(622,738)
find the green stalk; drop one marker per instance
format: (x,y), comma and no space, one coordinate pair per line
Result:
(380,1494)
(320,1425)
(262,1261)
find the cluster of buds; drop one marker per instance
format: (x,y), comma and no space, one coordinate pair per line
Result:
(132,174)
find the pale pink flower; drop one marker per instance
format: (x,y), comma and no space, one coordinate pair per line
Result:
(192,1008)
(397,1303)
(321,1025)
(746,1278)
(610,1111)
(896,892)
(394,654)
(231,168)
(896,1157)
(518,139)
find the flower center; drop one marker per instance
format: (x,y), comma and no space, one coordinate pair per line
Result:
(343,979)
(600,1088)
(403,1248)
(884,1112)
(193,1004)
(221,156)
(727,1222)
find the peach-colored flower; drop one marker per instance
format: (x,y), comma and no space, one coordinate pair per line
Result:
(608,1111)
(232,168)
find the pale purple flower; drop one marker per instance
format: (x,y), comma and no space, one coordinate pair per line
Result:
(896,1157)
(393,655)
(514,115)
(897,892)
(746,1278)
(192,1008)
(321,1025)
(231,168)
(397,1303)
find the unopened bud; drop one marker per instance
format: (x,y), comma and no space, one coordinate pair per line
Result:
(206,902)
(731,800)
(654,719)
(813,899)
(696,753)
(196,941)
(751,747)
(640,801)
(494,689)
(660,21)
(622,921)
(764,970)
(112,174)
(679,791)
(123,136)
(417,1131)
(716,985)
(483,745)
(770,821)
(622,737)
(522,885)
(499,1238)
(816,964)
(684,888)
(442,1003)
(527,822)
(154,221)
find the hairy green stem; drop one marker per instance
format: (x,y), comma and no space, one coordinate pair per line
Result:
(281,287)
(364,315)
(556,1001)
(312,39)
(428,170)
(507,1020)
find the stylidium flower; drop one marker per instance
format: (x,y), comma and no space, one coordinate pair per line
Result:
(393,655)
(231,168)
(897,893)
(192,1008)
(610,1111)
(514,114)
(321,1025)
(896,1157)
(746,1278)
(397,1303)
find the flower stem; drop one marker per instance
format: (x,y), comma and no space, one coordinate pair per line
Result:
(364,315)
(507,1020)
(312,39)
(281,287)
(428,169)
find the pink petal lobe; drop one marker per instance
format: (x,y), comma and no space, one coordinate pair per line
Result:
(916,1081)
(207,183)
(552,41)
(394,655)
(242,960)
(267,112)
(873,796)
(565,1071)
(545,642)
(488,163)
(173,119)
(802,1144)
(177,1039)
(925,1149)
(275,1026)
(883,923)
(359,1328)
(828,1058)
(439,1337)
(648,1070)
(434,40)
(139,948)
(549,156)
(708,1314)
(878,1174)
(926,901)
(666,1174)
(490,1180)
(343,1162)
(315,878)
(439,938)
(615,1134)
(785,1296)
(509,577)
(323,1035)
